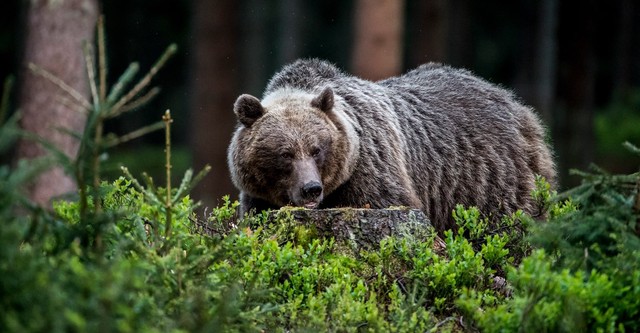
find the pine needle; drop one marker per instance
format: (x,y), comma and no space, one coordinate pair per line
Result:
(170,51)
(74,94)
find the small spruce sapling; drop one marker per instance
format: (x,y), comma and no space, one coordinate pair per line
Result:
(167,198)
(102,107)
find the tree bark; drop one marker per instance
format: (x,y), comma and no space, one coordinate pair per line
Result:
(429,27)
(545,62)
(290,32)
(624,43)
(573,123)
(254,43)
(214,76)
(378,38)
(460,40)
(55,31)
(362,227)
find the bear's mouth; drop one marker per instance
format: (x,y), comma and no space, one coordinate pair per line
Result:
(311,204)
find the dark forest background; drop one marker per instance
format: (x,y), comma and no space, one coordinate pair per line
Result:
(576,62)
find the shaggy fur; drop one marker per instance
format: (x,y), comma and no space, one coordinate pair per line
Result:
(429,139)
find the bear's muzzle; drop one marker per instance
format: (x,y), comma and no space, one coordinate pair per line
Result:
(307,190)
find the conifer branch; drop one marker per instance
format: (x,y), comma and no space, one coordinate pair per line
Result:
(188,182)
(123,80)
(133,135)
(184,185)
(149,181)
(149,194)
(170,51)
(91,73)
(102,59)
(74,94)
(200,175)
(168,203)
(138,102)
(71,105)
(4,102)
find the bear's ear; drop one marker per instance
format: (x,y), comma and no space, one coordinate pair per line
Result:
(324,101)
(248,109)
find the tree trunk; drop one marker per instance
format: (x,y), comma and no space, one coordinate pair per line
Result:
(624,43)
(544,75)
(214,75)
(254,43)
(429,32)
(290,33)
(574,124)
(55,31)
(460,39)
(378,38)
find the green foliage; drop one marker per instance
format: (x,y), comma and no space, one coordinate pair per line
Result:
(585,276)
(276,277)
(548,299)
(130,287)
(502,241)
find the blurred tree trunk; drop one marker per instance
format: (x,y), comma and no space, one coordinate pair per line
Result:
(292,13)
(624,43)
(378,38)
(214,76)
(459,35)
(429,20)
(55,31)
(545,61)
(526,27)
(573,124)
(254,43)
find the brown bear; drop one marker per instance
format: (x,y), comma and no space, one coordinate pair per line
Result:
(429,139)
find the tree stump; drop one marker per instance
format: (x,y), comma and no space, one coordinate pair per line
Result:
(364,227)
(358,227)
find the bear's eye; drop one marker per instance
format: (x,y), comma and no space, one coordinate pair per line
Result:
(315,152)
(287,155)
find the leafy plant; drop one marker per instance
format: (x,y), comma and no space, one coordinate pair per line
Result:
(586,272)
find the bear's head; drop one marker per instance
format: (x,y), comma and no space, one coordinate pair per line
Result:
(292,148)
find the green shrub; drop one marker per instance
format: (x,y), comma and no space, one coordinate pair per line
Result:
(585,276)
(244,280)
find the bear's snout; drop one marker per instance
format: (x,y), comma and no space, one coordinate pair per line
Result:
(307,191)
(311,190)
(310,195)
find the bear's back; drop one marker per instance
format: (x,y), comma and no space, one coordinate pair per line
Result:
(305,74)
(472,142)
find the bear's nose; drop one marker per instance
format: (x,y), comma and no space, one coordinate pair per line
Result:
(311,190)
